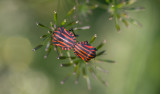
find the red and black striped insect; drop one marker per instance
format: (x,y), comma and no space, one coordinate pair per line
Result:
(84,51)
(64,39)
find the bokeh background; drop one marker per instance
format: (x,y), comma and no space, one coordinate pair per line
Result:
(136,50)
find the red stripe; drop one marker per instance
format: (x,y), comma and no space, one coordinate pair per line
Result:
(79,54)
(85,49)
(64,39)
(66,31)
(81,50)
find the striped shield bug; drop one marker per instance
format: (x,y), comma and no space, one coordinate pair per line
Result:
(63,38)
(84,51)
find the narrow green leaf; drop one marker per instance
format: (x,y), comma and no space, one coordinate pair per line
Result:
(109,61)
(60,51)
(48,46)
(100,53)
(71,11)
(70,59)
(55,17)
(76,68)
(41,25)
(101,69)
(37,47)
(68,75)
(86,77)
(101,45)
(66,57)
(102,81)
(125,22)
(66,65)
(77,76)
(118,27)
(116,16)
(88,83)
(72,23)
(134,9)
(77,61)
(93,73)
(53,26)
(99,78)
(43,36)
(48,52)
(63,22)
(93,38)
(50,32)
(84,72)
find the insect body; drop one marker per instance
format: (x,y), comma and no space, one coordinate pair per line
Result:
(64,39)
(84,51)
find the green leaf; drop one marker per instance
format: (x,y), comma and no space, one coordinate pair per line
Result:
(101,53)
(65,57)
(118,27)
(101,45)
(84,71)
(71,11)
(43,36)
(86,77)
(63,22)
(109,61)
(72,23)
(70,59)
(77,76)
(125,22)
(37,47)
(66,65)
(76,68)
(116,22)
(55,17)
(68,75)
(96,76)
(48,52)
(102,81)
(41,25)
(93,39)
(93,73)
(48,46)
(134,9)
(101,69)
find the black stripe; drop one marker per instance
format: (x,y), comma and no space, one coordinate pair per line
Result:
(62,31)
(64,41)
(63,37)
(84,49)
(80,53)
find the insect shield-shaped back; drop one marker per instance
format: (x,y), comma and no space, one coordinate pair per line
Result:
(64,39)
(85,51)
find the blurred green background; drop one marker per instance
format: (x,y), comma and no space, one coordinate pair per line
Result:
(136,50)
